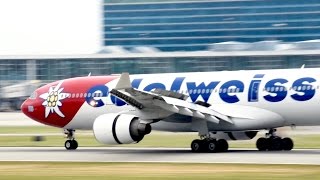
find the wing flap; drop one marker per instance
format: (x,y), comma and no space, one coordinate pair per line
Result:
(197,108)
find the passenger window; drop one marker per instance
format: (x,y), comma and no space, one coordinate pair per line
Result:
(224,90)
(272,89)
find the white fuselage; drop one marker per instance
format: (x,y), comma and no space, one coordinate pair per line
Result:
(293,94)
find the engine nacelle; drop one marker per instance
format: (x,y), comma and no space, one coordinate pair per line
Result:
(236,135)
(119,129)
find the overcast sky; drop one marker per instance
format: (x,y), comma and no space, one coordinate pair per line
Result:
(42,27)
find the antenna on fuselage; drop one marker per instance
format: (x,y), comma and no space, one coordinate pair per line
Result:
(89,74)
(302,67)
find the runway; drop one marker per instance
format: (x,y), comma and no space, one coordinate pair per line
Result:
(180,155)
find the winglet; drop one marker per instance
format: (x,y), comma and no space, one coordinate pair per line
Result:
(124,81)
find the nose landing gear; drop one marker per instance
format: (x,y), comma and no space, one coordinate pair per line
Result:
(71,143)
(274,143)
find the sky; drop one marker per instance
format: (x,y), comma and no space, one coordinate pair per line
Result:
(50,27)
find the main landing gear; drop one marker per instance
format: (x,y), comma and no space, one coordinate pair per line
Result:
(209,145)
(71,143)
(274,143)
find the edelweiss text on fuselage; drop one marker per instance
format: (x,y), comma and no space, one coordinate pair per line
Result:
(276,89)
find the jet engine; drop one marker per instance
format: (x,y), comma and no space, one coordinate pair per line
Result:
(119,129)
(236,135)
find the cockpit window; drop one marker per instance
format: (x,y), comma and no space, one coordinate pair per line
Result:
(33,95)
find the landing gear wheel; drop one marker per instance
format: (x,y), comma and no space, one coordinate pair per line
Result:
(68,144)
(196,145)
(71,144)
(222,145)
(287,144)
(275,144)
(262,144)
(211,146)
(75,144)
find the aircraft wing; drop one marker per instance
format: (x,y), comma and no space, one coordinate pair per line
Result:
(174,102)
(166,100)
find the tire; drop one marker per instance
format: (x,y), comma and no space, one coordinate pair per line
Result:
(74,144)
(71,144)
(196,145)
(275,144)
(211,145)
(262,144)
(222,145)
(287,144)
(68,144)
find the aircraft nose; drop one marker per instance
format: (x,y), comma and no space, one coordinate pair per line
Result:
(27,107)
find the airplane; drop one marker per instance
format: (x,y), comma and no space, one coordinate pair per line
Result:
(220,106)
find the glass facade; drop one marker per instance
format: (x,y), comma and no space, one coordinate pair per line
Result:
(182,25)
(189,26)
(12,70)
(55,69)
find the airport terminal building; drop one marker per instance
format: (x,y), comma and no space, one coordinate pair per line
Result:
(160,36)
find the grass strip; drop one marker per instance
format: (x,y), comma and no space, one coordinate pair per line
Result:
(79,171)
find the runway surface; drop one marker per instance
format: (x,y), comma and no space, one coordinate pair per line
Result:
(181,155)
(16,119)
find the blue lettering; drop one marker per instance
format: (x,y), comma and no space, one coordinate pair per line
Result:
(93,101)
(253,94)
(118,102)
(196,91)
(306,89)
(280,92)
(154,86)
(176,85)
(225,92)
(136,83)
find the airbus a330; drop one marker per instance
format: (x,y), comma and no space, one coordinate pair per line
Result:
(220,106)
